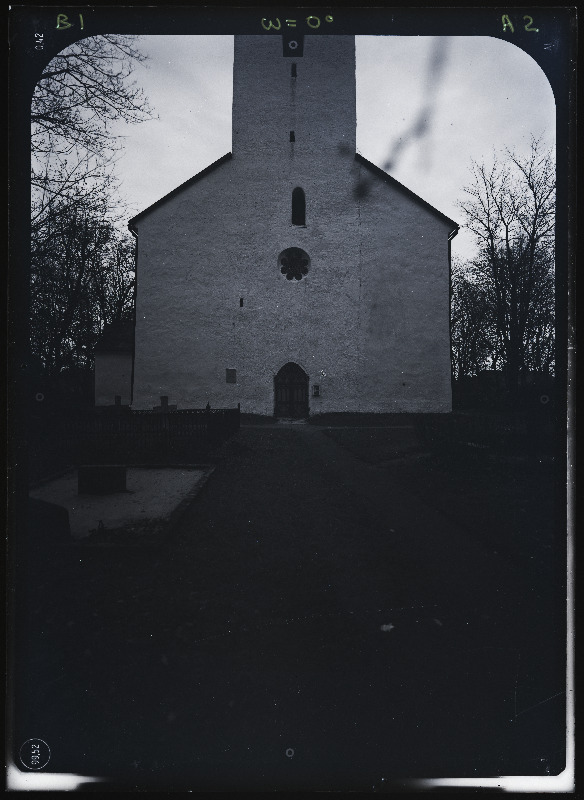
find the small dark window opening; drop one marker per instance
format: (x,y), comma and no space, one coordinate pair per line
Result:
(293,71)
(241,302)
(164,401)
(118,400)
(316,390)
(292,137)
(230,376)
(298,207)
(292,44)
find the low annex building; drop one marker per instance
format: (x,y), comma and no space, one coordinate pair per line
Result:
(113,364)
(293,276)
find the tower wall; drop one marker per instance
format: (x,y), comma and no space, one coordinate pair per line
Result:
(318,104)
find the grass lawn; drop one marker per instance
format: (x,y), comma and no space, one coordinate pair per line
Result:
(511,499)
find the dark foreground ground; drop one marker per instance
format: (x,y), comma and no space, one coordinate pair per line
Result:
(339,608)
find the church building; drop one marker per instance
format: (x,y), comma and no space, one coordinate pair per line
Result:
(293,276)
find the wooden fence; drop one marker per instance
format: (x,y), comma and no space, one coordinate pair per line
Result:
(124,436)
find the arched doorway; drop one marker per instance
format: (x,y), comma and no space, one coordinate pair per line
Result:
(291,392)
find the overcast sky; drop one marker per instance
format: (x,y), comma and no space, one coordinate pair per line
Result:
(477,94)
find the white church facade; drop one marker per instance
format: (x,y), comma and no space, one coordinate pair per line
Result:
(292,276)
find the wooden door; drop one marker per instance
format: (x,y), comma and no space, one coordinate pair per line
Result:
(291,392)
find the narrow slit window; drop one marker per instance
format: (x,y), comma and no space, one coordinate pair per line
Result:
(241,302)
(230,376)
(293,71)
(292,137)
(298,207)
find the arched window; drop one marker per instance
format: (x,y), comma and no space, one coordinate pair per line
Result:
(298,207)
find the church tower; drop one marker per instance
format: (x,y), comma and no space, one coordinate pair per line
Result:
(290,107)
(293,276)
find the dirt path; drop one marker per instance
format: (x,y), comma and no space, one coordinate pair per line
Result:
(311,625)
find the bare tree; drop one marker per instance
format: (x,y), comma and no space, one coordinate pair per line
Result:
(80,93)
(82,277)
(471,325)
(511,211)
(82,270)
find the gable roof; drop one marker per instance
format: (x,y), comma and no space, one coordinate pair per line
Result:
(408,192)
(179,189)
(358,157)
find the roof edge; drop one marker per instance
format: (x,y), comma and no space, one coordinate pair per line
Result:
(384,175)
(178,189)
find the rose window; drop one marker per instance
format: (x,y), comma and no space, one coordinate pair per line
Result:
(294,263)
